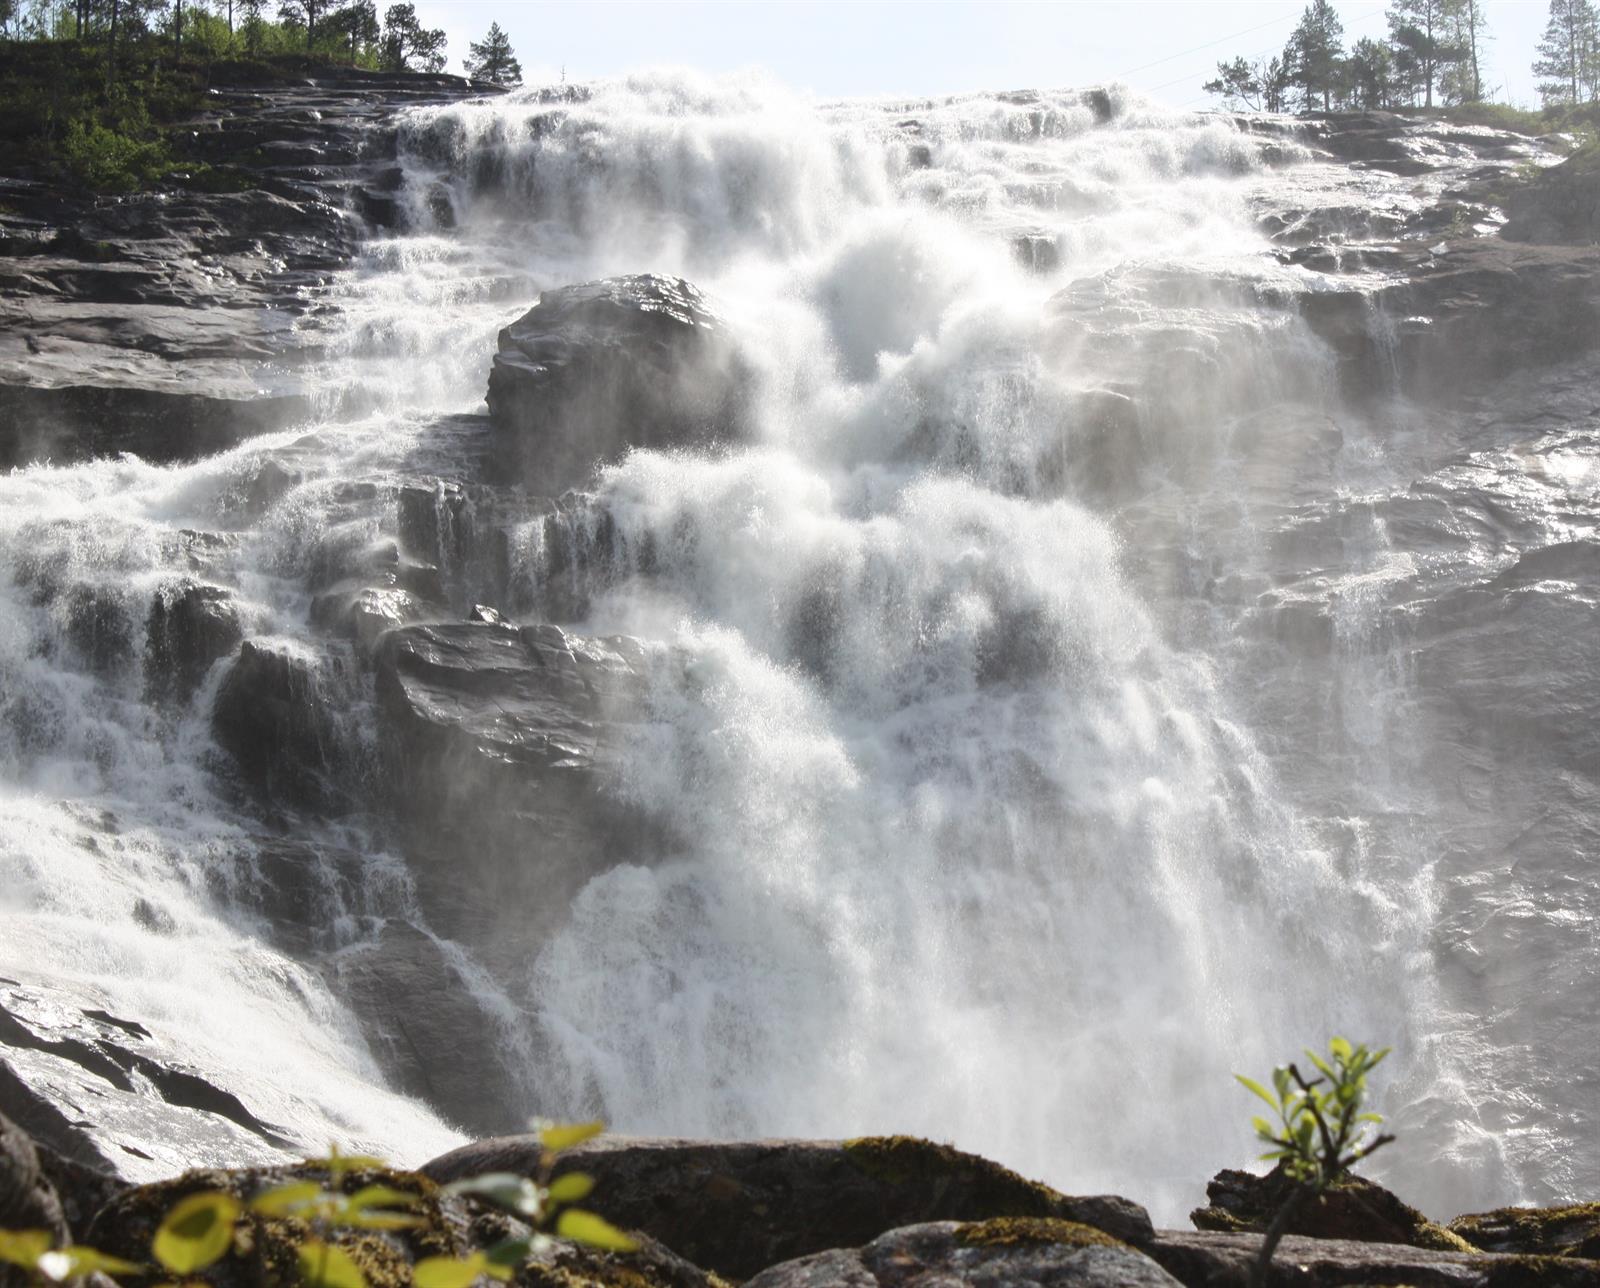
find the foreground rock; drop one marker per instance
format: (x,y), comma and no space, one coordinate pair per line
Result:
(1572,1231)
(1354,1209)
(1018,1250)
(593,370)
(738,1208)
(1202,1259)
(1560,206)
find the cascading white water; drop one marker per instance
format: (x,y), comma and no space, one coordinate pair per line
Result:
(979,831)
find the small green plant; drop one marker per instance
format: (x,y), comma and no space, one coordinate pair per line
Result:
(1321,1132)
(34,1252)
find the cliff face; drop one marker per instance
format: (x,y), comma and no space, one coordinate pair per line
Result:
(172,323)
(378,656)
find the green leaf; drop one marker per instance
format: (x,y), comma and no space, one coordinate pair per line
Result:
(1280,1080)
(447,1272)
(24,1247)
(504,1189)
(86,1261)
(382,1196)
(1251,1084)
(587,1228)
(381,1220)
(1264,1129)
(508,1254)
(197,1232)
(1322,1065)
(557,1137)
(1341,1049)
(285,1200)
(322,1265)
(571,1188)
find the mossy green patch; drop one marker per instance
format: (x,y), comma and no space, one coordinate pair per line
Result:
(1009,1231)
(1569,1231)
(903,1160)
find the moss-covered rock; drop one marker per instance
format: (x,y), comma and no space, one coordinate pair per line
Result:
(736,1208)
(1008,1250)
(1355,1209)
(1004,1231)
(1569,1231)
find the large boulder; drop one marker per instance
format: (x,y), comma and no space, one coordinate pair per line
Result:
(737,1208)
(1014,1250)
(1354,1208)
(191,627)
(275,717)
(500,745)
(595,369)
(420,1015)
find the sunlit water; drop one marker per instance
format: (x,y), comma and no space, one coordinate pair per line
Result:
(998,835)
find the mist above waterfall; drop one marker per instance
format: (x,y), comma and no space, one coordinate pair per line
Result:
(1031,736)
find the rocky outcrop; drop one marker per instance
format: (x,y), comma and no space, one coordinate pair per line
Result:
(593,370)
(272,717)
(1561,206)
(27,1199)
(1036,1250)
(1570,1231)
(191,627)
(419,1015)
(136,1112)
(501,743)
(1203,1259)
(737,1208)
(160,323)
(1354,1209)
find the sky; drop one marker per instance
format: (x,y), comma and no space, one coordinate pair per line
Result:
(849,48)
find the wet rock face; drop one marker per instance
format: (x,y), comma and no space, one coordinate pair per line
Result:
(737,1208)
(422,1021)
(154,323)
(593,370)
(191,627)
(1570,1231)
(1561,206)
(273,718)
(500,745)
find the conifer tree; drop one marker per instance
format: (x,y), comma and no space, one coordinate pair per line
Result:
(407,44)
(493,58)
(1421,30)
(1316,49)
(1569,54)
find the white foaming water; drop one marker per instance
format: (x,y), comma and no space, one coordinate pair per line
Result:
(972,839)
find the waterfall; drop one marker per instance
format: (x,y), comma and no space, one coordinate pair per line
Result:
(985,804)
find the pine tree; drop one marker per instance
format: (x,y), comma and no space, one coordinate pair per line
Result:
(493,59)
(1569,54)
(1370,69)
(1421,31)
(1315,50)
(408,45)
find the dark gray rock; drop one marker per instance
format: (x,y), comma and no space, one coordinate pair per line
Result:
(500,745)
(1569,1231)
(737,1208)
(1355,1209)
(1560,206)
(593,370)
(273,716)
(1202,1259)
(28,1200)
(191,627)
(421,1020)
(994,1254)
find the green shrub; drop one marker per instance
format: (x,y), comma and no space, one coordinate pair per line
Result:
(108,160)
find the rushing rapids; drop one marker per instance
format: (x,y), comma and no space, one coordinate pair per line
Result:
(1095,668)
